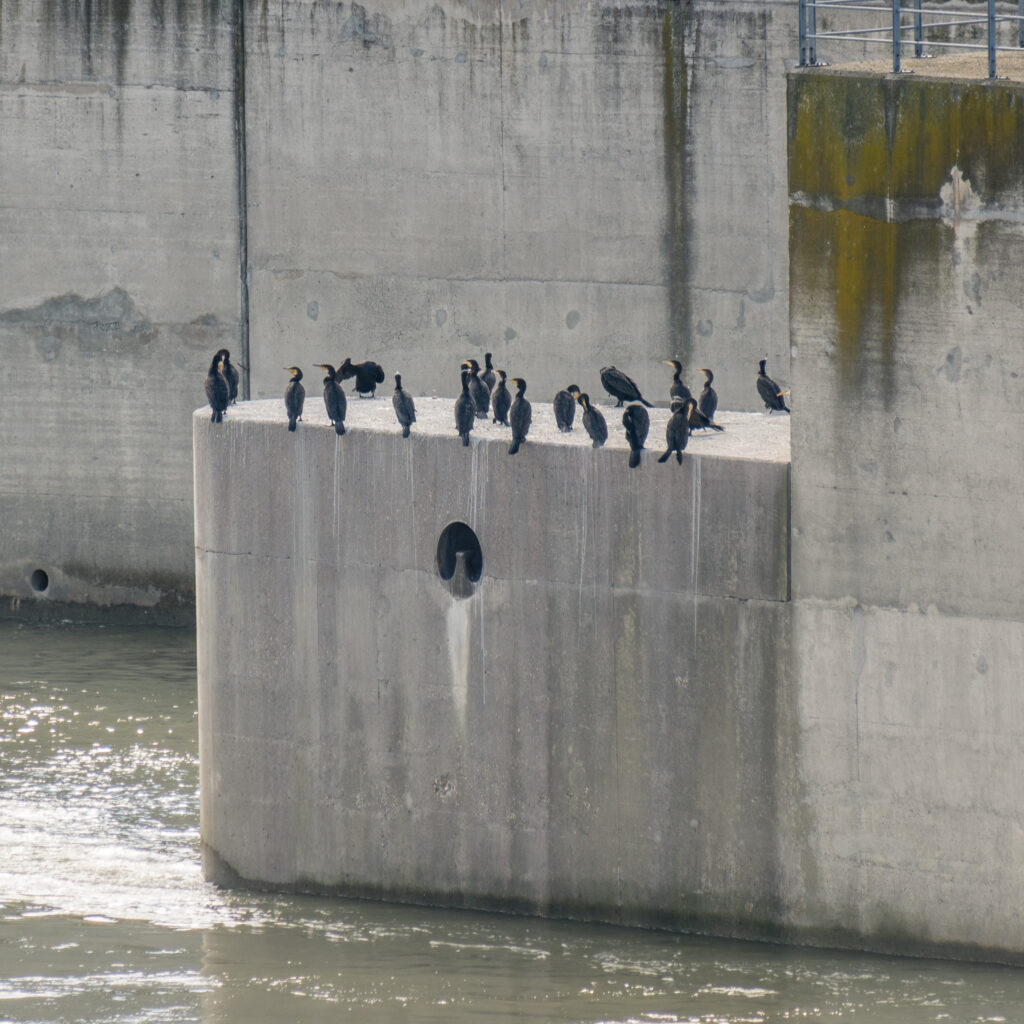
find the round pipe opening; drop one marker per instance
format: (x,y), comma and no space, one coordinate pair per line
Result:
(40,580)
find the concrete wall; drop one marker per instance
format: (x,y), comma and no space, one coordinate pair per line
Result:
(566,185)
(908,479)
(119,246)
(592,731)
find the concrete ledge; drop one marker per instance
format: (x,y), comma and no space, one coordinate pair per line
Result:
(591,730)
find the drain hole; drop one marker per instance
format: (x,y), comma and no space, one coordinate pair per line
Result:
(458,543)
(39,580)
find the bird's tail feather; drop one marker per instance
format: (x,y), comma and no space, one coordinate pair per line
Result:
(514,446)
(643,401)
(465,439)
(405,430)
(679,458)
(715,426)
(291,424)
(339,427)
(634,458)
(664,458)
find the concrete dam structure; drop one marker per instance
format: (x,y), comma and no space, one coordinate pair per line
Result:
(565,185)
(754,695)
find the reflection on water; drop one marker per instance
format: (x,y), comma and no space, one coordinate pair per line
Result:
(104,915)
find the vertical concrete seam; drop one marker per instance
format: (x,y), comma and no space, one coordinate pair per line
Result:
(241,162)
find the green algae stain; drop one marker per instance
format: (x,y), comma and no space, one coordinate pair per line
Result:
(868,158)
(676,102)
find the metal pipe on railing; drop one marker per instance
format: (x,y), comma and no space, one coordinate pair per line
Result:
(918,48)
(895,37)
(802,31)
(991,38)
(1020,22)
(812,34)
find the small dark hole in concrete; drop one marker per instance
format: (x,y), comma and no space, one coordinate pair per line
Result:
(39,580)
(456,539)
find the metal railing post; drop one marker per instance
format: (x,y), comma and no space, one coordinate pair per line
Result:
(896,36)
(991,38)
(802,30)
(918,48)
(1020,22)
(812,33)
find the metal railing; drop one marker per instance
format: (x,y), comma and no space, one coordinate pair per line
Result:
(898,21)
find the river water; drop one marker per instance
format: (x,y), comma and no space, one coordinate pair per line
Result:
(104,915)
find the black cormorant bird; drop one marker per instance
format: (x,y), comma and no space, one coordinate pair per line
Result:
(216,388)
(565,407)
(488,375)
(698,421)
(230,375)
(501,400)
(677,430)
(770,392)
(637,423)
(405,411)
(707,402)
(593,421)
(465,410)
(368,375)
(678,388)
(334,398)
(621,386)
(478,389)
(520,416)
(294,396)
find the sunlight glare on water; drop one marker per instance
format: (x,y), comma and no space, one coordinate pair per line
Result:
(104,915)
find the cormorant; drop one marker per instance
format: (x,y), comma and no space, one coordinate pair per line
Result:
(698,421)
(478,389)
(465,410)
(621,387)
(637,423)
(230,375)
(565,407)
(501,400)
(368,375)
(404,408)
(520,416)
(488,375)
(677,430)
(294,396)
(334,398)
(708,400)
(216,388)
(770,392)
(593,421)
(678,388)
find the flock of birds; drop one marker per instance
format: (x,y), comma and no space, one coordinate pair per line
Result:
(485,392)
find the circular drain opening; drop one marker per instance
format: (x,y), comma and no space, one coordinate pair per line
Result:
(39,580)
(460,559)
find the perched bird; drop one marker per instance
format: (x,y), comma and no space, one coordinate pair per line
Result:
(294,396)
(368,375)
(707,401)
(478,389)
(770,392)
(593,421)
(501,400)
(217,388)
(698,421)
(520,416)
(334,398)
(565,407)
(621,387)
(230,375)
(677,430)
(465,410)
(637,423)
(404,408)
(678,388)
(488,375)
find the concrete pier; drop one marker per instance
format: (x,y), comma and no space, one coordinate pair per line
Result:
(590,728)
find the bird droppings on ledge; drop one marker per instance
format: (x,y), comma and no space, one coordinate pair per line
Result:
(747,435)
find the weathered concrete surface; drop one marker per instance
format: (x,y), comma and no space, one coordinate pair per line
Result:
(564,185)
(908,478)
(118,241)
(592,732)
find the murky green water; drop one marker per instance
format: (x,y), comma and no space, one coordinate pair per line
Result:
(104,915)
